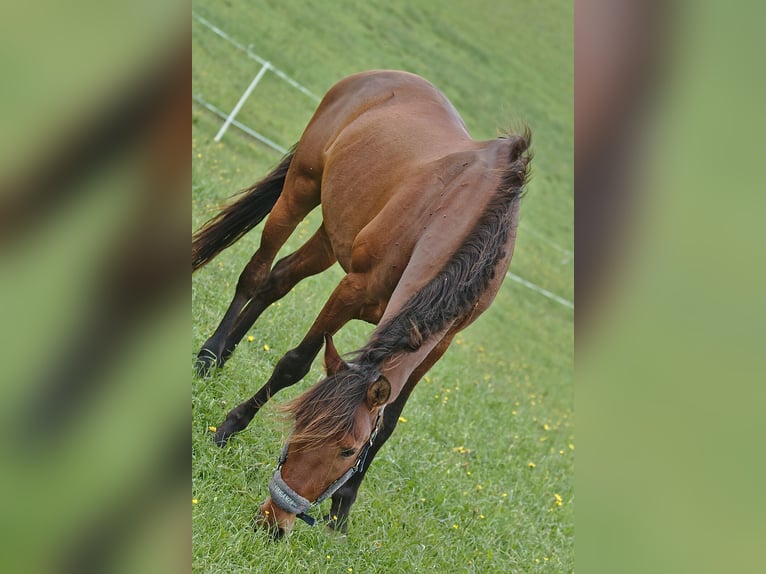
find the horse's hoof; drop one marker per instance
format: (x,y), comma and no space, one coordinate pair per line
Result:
(232,425)
(221,437)
(335,524)
(206,361)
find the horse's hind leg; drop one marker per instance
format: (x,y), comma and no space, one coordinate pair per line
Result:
(300,196)
(344,304)
(345,496)
(313,257)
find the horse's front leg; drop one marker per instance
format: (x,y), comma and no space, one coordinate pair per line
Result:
(343,305)
(344,498)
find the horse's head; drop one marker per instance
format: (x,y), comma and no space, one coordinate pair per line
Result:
(335,423)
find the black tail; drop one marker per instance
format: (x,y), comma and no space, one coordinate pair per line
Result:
(240,216)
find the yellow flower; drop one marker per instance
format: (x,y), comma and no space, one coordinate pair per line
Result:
(266,347)
(532,465)
(194,501)
(454,526)
(211,428)
(559,500)
(505,494)
(402,420)
(546,427)
(250,338)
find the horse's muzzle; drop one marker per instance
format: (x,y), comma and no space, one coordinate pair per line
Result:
(273,519)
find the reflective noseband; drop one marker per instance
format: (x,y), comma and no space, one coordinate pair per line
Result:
(290,501)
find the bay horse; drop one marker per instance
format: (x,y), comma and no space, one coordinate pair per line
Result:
(421,217)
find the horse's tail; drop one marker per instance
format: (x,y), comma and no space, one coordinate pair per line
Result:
(236,219)
(519,158)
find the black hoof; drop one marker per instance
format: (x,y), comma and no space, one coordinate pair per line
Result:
(232,425)
(206,362)
(337,524)
(221,436)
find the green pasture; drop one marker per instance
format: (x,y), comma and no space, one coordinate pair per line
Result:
(478,477)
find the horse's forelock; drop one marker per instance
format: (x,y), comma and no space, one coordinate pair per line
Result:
(328,409)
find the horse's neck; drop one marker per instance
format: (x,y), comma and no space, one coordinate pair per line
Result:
(398,367)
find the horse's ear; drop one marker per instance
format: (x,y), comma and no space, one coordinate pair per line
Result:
(332,361)
(378,393)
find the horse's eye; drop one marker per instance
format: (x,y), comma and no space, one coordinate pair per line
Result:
(347,452)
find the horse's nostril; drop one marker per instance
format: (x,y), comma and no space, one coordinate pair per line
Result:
(266,520)
(277,533)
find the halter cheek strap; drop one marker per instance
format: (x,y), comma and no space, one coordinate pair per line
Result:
(290,501)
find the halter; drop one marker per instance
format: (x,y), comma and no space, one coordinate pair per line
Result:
(290,501)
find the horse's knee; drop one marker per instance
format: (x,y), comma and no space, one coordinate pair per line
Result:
(344,498)
(347,493)
(292,367)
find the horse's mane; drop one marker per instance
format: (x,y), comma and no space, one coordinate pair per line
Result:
(328,408)
(454,291)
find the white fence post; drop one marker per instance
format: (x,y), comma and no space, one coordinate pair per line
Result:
(241,102)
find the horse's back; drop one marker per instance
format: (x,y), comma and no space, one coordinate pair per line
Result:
(378,118)
(390,90)
(396,168)
(372,143)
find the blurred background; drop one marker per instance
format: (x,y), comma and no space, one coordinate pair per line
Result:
(94,224)
(94,212)
(669,312)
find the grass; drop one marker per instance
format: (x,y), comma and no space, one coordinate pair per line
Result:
(453,489)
